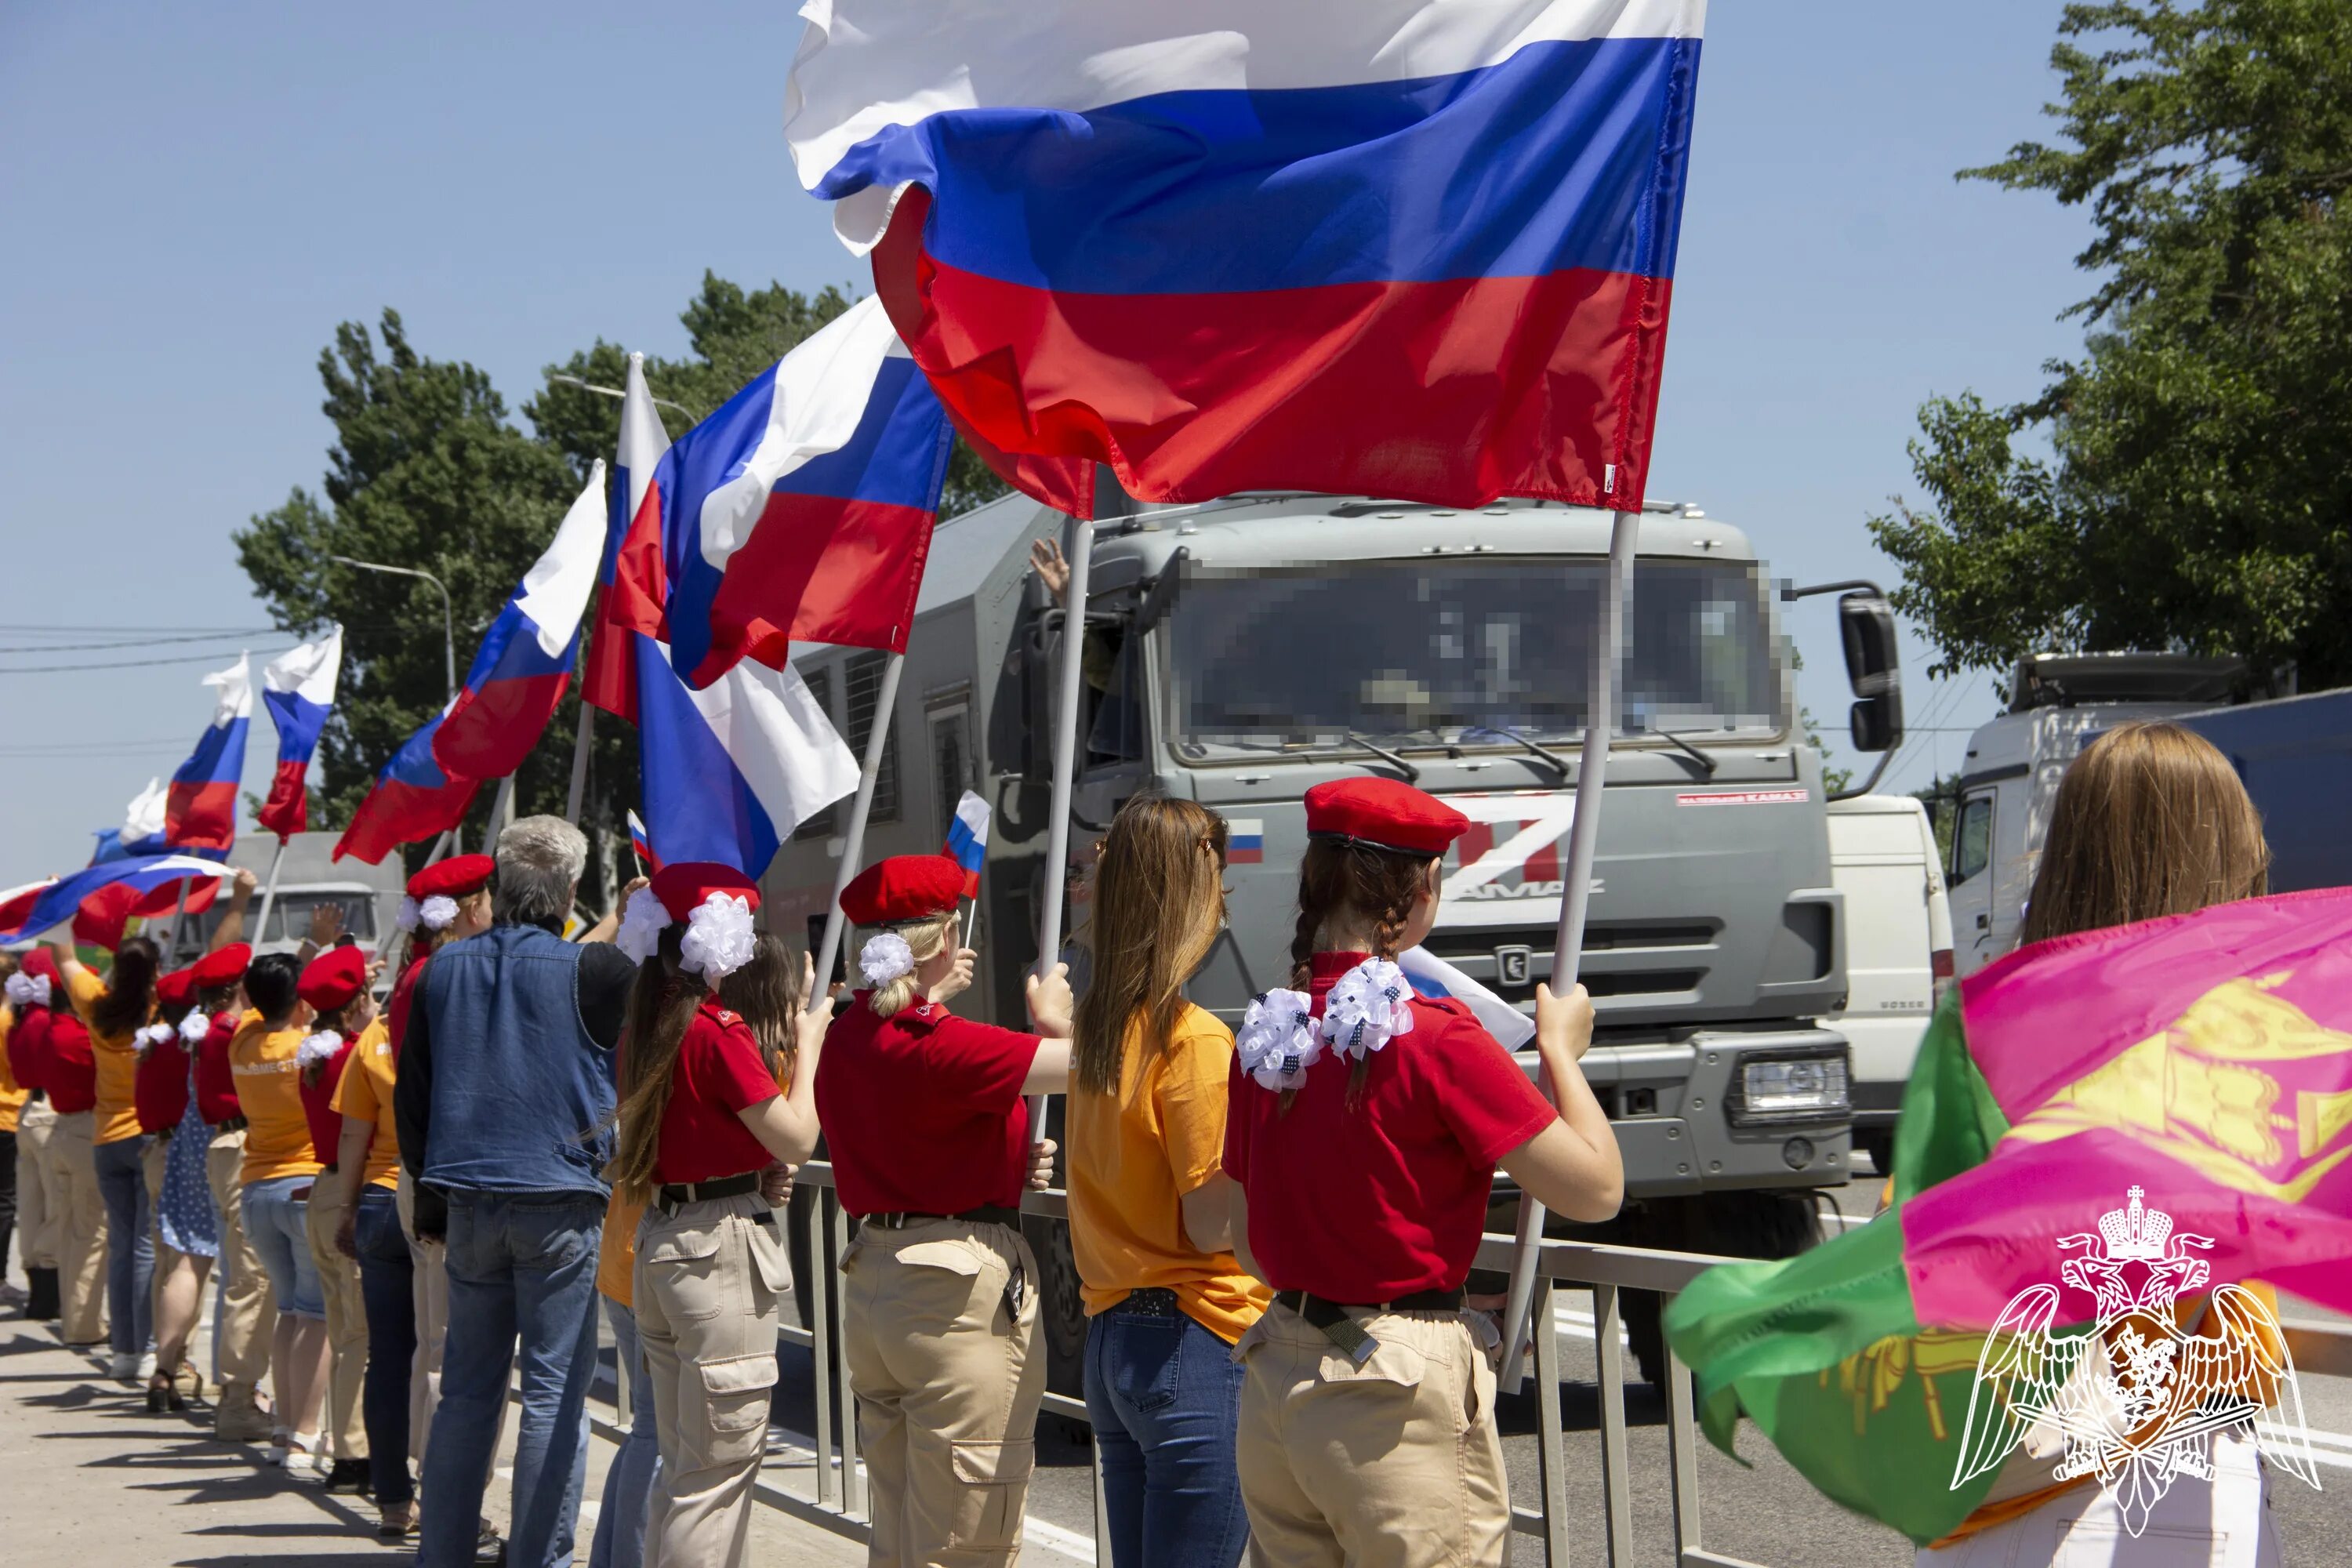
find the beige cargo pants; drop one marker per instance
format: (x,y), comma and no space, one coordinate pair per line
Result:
(1392,1464)
(948,1382)
(347,1337)
(71,1160)
(709,1288)
(248,1310)
(37,1206)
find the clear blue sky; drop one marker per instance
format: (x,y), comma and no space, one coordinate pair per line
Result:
(195,196)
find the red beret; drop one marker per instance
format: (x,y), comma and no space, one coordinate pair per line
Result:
(683,887)
(225,967)
(40,965)
(177,989)
(459,877)
(332,978)
(1385,814)
(903,888)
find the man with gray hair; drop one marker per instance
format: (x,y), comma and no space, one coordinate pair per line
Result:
(504,1101)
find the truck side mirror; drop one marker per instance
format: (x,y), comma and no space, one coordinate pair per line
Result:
(1867,628)
(1039,637)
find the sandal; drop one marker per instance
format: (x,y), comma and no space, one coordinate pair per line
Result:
(161,1389)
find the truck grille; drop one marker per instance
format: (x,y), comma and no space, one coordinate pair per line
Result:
(1487,953)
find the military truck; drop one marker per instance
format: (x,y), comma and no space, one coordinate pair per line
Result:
(308,877)
(1241,651)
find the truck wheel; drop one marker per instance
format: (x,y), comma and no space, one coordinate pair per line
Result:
(1061,1306)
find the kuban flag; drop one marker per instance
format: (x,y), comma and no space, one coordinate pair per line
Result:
(414,799)
(611,681)
(297,688)
(200,807)
(2199,1065)
(520,673)
(730,770)
(134,874)
(800,512)
(1416,248)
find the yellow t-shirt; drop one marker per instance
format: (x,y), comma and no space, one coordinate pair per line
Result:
(616,1261)
(365,1092)
(117,1056)
(268,1090)
(12,1094)
(1134,1155)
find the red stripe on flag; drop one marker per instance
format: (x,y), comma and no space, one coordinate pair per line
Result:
(488,732)
(819,569)
(286,812)
(203,815)
(394,814)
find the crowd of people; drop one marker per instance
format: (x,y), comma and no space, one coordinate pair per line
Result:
(417,1206)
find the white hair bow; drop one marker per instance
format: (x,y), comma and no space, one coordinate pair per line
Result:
(719,938)
(405,919)
(318,1049)
(148,1038)
(885,957)
(1277,1042)
(194,1029)
(29,990)
(1368,1008)
(642,923)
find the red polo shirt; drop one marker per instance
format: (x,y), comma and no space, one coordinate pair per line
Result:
(159,1086)
(73,1064)
(319,1102)
(922,1111)
(215,1085)
(1367,1203)
(719,1073)
(28,1049)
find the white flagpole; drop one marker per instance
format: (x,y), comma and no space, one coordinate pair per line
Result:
(853,845)
(579,765)
(171,942)
(1575,888)
(1079,552)
(269,893)
(442,846)
(501,811)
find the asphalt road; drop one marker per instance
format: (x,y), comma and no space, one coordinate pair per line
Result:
(1763,1512)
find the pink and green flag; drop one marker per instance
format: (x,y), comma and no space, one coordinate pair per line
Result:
(2206,1059)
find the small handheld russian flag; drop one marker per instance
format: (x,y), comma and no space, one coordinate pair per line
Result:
(967,843)
(647,861)
(1432,976)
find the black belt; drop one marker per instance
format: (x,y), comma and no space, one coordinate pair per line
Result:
(1338,1324)
(672,1194)
(986,1215)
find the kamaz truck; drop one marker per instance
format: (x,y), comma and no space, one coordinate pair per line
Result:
(1239,652)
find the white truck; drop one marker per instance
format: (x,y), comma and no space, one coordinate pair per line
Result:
(1898,950)
(308,877)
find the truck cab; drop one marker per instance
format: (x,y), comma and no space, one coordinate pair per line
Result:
(1240,652)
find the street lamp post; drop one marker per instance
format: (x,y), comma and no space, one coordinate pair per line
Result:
(617,392)
(449,621)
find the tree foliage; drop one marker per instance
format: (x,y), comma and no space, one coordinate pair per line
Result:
(428,471)
(2183,483)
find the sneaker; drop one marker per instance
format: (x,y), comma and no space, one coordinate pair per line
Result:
(146,1368)
(123,1367)
(396,1523)
(487,1548)
(302,1455)
(348,1476)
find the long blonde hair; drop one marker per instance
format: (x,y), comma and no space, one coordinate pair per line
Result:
(767,993)
(925,940)
(661,1006)
(1158,904)
(2150,820)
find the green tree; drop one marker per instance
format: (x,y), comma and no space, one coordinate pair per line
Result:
(2182,483)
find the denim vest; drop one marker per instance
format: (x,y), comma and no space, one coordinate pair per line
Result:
(521,1095)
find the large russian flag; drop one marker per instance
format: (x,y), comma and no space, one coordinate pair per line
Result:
(1422,248)
(297,688)
(525,661)
(200,809)
(412,799)
(58,902)
(610,681)
(800,512)
(733,768)
(142,826)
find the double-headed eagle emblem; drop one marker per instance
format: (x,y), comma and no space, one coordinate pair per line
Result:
(2136,1397)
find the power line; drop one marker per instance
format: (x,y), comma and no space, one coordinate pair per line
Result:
(35,628)
(127,664)
(230,638)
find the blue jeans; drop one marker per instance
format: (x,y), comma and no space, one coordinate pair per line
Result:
(130,1244)
(1164,1396)
(277,1224)
(629,1484)
(522,1266)
(387,1279)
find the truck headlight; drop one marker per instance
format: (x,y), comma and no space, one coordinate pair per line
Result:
(1790,1088)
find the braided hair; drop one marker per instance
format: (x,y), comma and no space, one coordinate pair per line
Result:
(1345,877)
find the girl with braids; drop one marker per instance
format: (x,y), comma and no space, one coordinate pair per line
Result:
(1150,1222)
(930,1142)
(701,1124)
(1365,1127)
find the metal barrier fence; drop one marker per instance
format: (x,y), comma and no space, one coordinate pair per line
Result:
(841,1506)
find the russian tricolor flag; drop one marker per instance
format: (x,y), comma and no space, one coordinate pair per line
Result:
(60,901)
(800,512)
(525,661)
(730,770)
(967,843)
(1420,249)
(1431,976)
(641,846)
(625,606)
(412,799)
(200,808)
(142,826)
(297,688)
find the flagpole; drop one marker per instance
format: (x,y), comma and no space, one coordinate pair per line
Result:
(1575,889)
(579,765)
(501,811)
(441,846)
(1079,552)
(853,845)
(171,942)
(269,893)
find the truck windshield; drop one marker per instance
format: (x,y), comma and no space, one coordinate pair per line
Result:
(1437,649)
